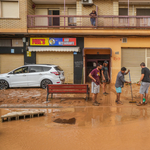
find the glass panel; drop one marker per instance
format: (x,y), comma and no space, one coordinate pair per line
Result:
(46,68)
(21,70)
(35,69)
(58,68)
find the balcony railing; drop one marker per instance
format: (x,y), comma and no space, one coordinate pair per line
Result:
(67,21)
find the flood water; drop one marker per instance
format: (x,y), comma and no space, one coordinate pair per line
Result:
(86,128)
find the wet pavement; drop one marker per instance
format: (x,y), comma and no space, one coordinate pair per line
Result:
(73,123)
(92,128)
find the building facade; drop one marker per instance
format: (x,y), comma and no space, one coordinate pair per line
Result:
(121,35)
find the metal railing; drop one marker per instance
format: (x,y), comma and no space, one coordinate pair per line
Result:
(84,21)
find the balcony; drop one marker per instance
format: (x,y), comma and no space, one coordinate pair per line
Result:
(72,22)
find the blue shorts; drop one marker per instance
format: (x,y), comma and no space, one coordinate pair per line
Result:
(118,90)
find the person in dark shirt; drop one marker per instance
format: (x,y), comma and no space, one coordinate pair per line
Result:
(120,83)
(105,76)
(93,17)
(95,85)
(145,78)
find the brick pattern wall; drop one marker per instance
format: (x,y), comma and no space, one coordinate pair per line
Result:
(16,24)
(30,10)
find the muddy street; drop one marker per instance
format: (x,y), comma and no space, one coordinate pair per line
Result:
(72,123)
(116,128)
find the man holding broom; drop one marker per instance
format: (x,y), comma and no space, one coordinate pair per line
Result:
(120,83)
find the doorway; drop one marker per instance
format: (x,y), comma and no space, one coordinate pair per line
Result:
(92,62)
(54,21)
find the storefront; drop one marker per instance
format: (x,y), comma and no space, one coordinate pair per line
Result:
(57,51)
(119,53)
(11,54)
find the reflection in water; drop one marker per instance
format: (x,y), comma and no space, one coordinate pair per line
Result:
(93,128)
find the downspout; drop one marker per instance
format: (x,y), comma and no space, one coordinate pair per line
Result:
(64,11)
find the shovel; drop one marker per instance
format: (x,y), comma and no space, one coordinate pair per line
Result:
(131,90)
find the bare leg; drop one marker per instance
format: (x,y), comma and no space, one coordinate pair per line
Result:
(146,97)
(104,85)
(118,96)
(141,98)
(94,98)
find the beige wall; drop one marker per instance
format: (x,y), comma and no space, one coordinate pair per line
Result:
(16,24)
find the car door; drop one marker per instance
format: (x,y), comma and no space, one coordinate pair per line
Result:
(18,78)
(35,73)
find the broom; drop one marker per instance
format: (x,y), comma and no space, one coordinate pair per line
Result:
(131,90)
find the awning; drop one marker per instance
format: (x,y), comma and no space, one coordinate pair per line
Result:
(54,49)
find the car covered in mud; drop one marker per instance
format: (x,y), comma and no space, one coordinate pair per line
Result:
(33,75)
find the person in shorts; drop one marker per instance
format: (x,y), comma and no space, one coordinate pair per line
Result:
(120,83)
(95,85)
(145,78)
(105,76)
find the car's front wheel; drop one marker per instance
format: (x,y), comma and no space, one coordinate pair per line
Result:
(45,82)
(3,84)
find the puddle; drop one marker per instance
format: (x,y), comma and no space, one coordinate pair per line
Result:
(90,128)
(65,121)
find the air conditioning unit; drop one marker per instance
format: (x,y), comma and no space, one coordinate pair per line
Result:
(87,2)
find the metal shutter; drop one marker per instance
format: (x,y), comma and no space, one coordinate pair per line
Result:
(63,59)
(9,62)
(131,59)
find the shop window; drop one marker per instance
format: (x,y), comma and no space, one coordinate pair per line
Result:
(5,43)
(10,9)
(17,43)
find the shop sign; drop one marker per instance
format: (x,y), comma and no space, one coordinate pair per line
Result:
(28,54)
(52,41)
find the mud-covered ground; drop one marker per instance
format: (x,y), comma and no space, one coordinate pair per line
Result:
(38,96)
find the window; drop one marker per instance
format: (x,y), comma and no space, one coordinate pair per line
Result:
(21,70)
(17,43)
(5,43)
(123,11)
(58,68)
(35,69)
(10,9)
(46,69)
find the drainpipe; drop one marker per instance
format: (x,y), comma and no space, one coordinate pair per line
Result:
(128,12)
(64,11)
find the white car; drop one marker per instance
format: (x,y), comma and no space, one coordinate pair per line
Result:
(33,75)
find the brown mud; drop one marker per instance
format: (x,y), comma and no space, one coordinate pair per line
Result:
(95,128)
(38,96)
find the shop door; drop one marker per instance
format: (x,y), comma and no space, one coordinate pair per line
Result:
(92,61)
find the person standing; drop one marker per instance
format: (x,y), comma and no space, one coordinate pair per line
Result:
(95,85)
(105,76)
(93,17)
(120,83)
(145,78)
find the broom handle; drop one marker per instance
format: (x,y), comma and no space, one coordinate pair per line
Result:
(131,86)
